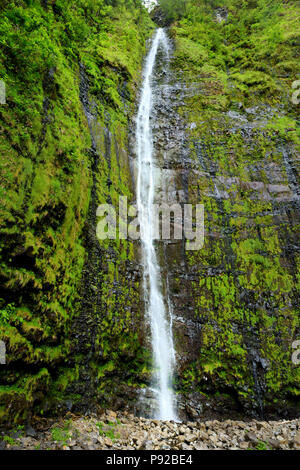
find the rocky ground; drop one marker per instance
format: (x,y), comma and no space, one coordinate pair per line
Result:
(122,431)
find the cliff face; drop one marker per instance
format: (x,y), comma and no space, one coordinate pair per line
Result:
(227,138)
(71,71)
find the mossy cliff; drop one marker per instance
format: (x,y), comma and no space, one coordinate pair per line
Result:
(236,300)
(69,304)
(225,133)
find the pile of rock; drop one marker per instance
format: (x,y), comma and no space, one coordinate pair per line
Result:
(122,431)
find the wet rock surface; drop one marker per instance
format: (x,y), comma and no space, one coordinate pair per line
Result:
(234,302)
(225,295)
(123,431)
(74,320)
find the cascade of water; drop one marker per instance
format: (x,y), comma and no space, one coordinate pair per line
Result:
(158,312)
(150,4)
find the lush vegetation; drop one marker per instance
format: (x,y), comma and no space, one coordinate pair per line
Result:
(174,9)
(70,307)
(52,179)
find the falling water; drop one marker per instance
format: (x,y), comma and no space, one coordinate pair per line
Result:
(158,311)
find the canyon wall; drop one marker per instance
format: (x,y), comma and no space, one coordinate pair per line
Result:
(70,316)
(228,138)
(225,135)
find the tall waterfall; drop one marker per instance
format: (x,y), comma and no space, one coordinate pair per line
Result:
(157,309)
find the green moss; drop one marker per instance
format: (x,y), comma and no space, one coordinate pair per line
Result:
(244,293)
(46,186)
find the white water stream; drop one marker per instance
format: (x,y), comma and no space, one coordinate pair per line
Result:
(157,309)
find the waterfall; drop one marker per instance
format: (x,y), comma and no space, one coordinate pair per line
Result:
(157,310)
(150,4)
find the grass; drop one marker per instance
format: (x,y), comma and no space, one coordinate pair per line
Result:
(9,440)
(110,433)
(262,446)
(61,435)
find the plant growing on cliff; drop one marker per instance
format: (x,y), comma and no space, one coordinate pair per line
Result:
(8,314)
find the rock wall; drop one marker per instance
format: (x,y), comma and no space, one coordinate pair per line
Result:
(227,138)
(225,133)
(69,304)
